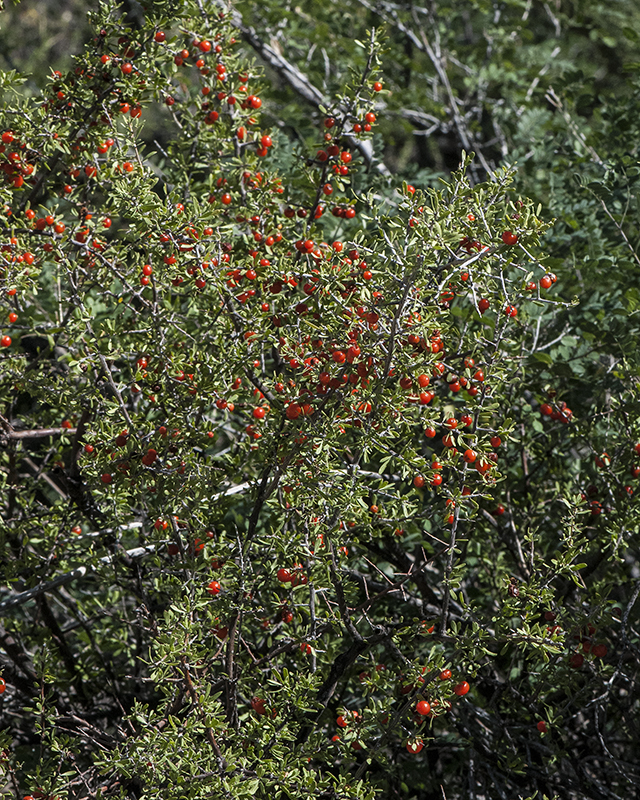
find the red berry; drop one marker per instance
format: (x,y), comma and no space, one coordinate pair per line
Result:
(5,341)
(423,708)
(258,705)
(483,305)
(509,238)
(214,588)
(339,357)
(542,726)
(160,36)
(284,576)
(461,688)
(445,674)
(576,660)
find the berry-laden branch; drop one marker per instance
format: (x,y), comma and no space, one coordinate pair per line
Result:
(303,87)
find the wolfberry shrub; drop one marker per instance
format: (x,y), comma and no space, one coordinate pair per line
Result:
(262,429)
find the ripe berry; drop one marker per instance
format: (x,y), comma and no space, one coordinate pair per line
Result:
(423,708)
(149,457)
(445,674)
(415,746)
(3,686)
(483,305)
(160,36)
(214,588)
(284,576)
(509,238)
(542,726)
(5,341)
(461,688)
(258,705)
